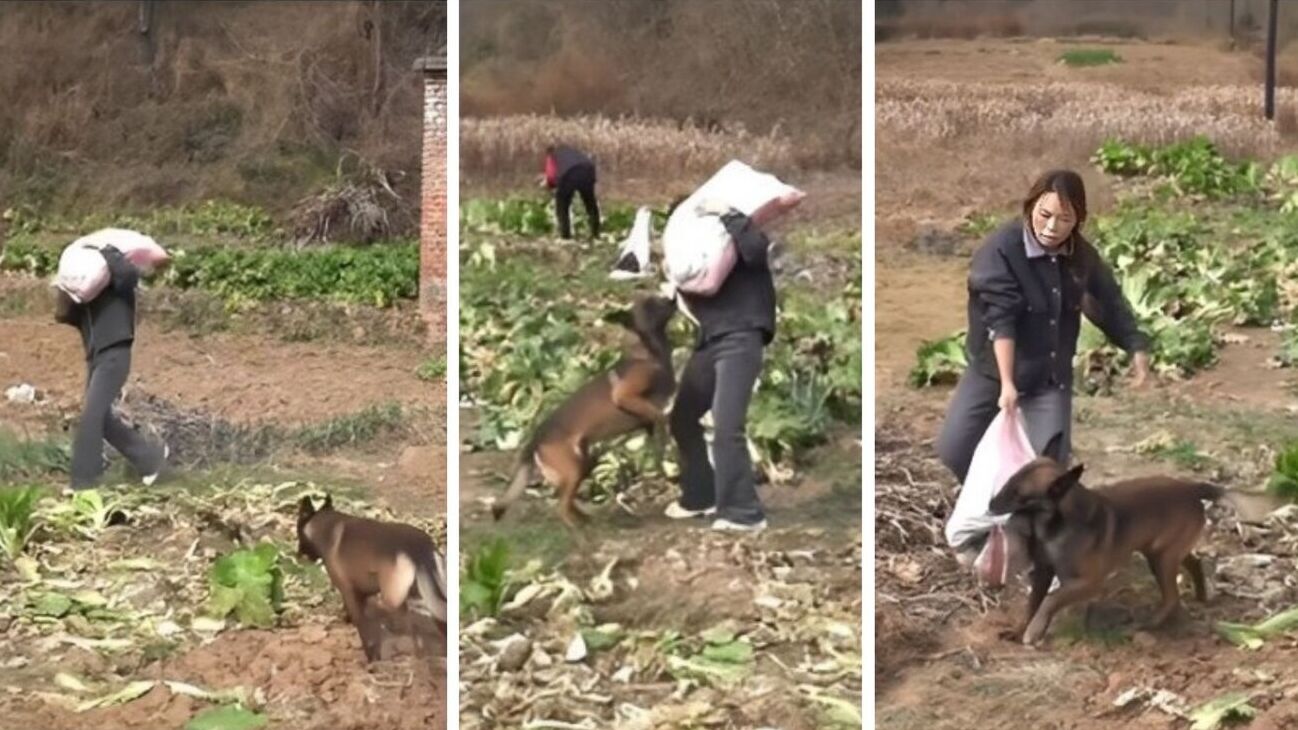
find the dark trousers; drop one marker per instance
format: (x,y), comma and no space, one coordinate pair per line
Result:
(579,180)
(719,377)
(972,408)
(107,374)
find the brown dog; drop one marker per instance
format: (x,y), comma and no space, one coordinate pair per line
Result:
(1082,535)
(365,557)
(630,396)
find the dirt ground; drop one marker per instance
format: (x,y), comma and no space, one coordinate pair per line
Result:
(674,577)
(234,377)
(940,662)
(314,677)
(312,674)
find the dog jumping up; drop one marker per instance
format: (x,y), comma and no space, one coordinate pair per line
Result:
(1083,535)
(632,395)
(365,557)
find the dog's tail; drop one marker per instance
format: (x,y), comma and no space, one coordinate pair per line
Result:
(524,474)
(1249,506)
(430,577)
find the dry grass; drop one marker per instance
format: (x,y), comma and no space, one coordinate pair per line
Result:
(946,149)
(1162,19)
(254,102)
(508,149)
(964,127)
(760,65)
(947,25)
(1081,113)
(360,206)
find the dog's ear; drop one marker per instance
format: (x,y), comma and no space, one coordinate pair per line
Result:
(1066,481)
(621,317)
(1054,447)
(328,503)
(305,508)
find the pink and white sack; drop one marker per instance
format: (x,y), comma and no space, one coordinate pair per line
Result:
(83,272)
(698,253)
(1002,451)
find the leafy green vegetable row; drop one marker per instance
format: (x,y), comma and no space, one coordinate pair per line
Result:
(378,275)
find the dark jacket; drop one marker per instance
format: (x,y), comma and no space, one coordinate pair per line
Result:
(107,320)
(746,299)
(566,159)
(1038,302)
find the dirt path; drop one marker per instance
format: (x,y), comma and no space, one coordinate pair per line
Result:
(314,677)
(249,380)
(234,377)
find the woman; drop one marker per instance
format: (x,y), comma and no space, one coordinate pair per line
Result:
(1029,284)
(107,327)
(734,326)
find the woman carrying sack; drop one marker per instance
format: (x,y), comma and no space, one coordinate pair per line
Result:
(107,327)
(734,327)
(1029,284)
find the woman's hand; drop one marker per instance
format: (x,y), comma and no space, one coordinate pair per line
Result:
(1009,399)
(1139,369)
(123,275)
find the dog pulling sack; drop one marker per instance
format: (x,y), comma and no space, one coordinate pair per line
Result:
(698,253)
(83,272)
(1002,451)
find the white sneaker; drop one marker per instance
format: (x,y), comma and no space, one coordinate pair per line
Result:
(725,525)
(676,512)
(149,479)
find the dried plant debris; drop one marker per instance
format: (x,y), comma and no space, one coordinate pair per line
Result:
(789,644)
(129,577)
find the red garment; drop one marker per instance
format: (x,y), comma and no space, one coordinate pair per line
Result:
(550,171)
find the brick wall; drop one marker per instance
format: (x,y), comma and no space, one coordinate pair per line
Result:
(432,226)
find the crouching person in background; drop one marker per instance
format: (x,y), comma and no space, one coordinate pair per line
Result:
(569,171)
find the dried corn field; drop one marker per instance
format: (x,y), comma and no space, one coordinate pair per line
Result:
(509,148)
(1084,113)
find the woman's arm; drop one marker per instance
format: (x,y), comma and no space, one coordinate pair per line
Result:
(124,275)
(751,243)
(997,292)
(1109,310)
(1107,307)
(1004,349)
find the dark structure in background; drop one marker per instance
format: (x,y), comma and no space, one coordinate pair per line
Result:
(1270,59)
(432,206)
